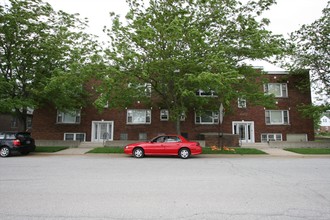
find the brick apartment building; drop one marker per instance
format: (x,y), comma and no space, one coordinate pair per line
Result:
(251,123)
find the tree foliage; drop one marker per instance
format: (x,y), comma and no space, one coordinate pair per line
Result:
(42,57)
(182,46)
(311,50)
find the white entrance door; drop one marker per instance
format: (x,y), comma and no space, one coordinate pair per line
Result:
(245,130)
(102,131)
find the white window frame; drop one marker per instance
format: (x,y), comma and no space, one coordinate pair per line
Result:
(241,103)
(285,120)
(214,117)
(276,137)
(61,116)
(146,86)
(203,93)
(282,90)
(145,113)
(74,135)
(183,116)
(164,115)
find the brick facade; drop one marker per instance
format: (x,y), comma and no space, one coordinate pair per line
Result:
(252,119)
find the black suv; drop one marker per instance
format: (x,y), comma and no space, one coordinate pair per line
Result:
(16,142)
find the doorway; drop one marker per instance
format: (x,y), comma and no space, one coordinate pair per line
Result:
(245,130)
(102,131)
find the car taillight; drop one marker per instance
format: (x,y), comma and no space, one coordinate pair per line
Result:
(17,142)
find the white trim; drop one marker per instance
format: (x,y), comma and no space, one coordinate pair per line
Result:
(277,72)
(98,138)
(75,135)
(251,131)
(282,117)
(148,117)
(167,114)
(214,117)
(268,139)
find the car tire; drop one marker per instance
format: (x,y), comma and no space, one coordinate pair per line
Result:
(138,152)
(184,153)
(4,152)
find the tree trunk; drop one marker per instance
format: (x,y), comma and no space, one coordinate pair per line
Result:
(22,116)
(178,126)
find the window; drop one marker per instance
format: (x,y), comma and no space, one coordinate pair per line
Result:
(277,89)
(209,93)
(146,88)
(207,117)
(13,122)
(74,136)
(241,103)
(142,136)
(271,137)
(183,116)
(123,136)
(138,116)
(72,117)
(29,122)
(10,136)
(277,117)
(164,115)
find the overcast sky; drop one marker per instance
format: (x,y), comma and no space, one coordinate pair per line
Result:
(286,16)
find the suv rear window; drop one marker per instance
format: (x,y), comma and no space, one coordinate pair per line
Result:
(23,135)
(10,136)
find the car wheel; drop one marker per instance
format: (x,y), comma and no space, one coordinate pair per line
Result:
(4,152)
(184,153)
(138,152)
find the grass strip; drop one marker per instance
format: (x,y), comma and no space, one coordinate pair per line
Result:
(309,150)
(107,150)
(238,150)
(50,149)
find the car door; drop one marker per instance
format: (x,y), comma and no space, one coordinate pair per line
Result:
(155,146)
(172,145)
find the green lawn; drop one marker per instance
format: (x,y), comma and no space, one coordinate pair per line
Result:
(206,150)
(107,150)
(50,149)
(309,150)
(238,150)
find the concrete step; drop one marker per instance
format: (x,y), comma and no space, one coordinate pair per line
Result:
(90,144)
(255,145)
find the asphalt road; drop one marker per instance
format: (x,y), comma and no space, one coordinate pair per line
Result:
(99,187)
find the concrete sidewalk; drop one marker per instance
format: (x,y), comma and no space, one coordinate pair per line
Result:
(271,151)
(278,152)
(73,151)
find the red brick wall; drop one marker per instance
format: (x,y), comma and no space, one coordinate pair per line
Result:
(45,127)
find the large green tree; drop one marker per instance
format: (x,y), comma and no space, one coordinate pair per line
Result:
(42,57)
(178,47)
(311,50)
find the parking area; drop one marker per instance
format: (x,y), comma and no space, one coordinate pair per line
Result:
(43,186)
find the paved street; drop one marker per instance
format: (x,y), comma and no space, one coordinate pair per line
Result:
(98,187)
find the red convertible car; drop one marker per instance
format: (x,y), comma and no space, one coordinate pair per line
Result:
(164,145)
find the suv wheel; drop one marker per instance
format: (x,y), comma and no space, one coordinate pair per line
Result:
(4,152)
